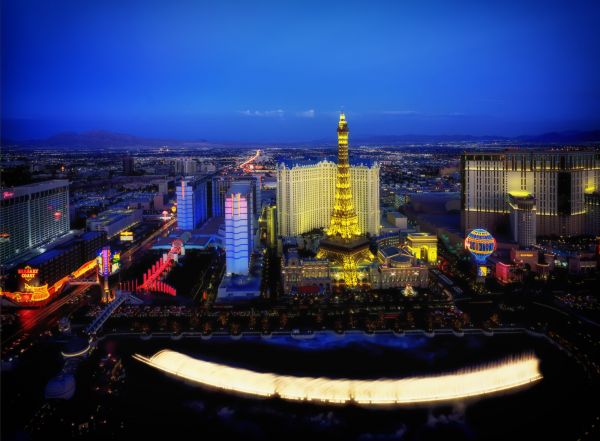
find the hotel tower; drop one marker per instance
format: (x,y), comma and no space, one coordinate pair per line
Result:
(524,194)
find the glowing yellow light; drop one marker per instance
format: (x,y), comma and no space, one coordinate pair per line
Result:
(519,193)
(437,388)
(344,220)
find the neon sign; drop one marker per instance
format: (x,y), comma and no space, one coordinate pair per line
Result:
(104,261)
(28,273)
(126,236)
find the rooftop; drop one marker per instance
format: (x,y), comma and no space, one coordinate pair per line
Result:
(520,194)
(36,187)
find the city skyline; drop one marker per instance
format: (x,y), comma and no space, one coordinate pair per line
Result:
(281,73)
(186,246)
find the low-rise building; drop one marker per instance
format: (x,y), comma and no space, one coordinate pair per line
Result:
(113,221)
(423,246)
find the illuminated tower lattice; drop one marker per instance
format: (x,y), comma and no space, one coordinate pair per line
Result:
(344,221)
(344,245)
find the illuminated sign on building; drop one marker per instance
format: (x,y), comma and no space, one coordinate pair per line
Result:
(115,263)
(28,273)
(104,261)
(126,236)
(108,263)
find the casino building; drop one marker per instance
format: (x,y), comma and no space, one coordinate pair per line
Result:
(306,193)
(44,275)
(344,257)
(543,192)
(31,216)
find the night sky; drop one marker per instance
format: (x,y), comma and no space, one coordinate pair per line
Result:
(281,71)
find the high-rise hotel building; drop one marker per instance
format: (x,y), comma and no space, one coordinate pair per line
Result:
(194,202)
(220,188)
(31,216)
(306,193)
(544,192)
(239,227)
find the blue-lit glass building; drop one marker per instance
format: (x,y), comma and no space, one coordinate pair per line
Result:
(194,202)
(239,227)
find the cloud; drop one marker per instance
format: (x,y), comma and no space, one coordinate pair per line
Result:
(268,113)
(310,113)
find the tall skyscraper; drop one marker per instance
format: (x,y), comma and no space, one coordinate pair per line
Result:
(128,165)
(193,207)
(557,180)
(239,227)
(306,195)
(185,166)
(522,217)
(592,210)
(220,187)
(31,216)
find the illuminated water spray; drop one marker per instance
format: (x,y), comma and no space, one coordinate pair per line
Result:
(467,383)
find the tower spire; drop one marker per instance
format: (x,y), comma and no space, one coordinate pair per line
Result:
(344,221)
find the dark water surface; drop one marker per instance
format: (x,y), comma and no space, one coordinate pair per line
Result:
(150,405)
(554,407)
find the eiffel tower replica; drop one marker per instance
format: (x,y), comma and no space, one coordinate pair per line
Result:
(344,245)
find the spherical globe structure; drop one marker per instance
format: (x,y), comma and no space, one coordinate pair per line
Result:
(480,243)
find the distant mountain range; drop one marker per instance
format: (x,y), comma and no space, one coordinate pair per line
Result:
(104,139)
(574,137)
(99,138)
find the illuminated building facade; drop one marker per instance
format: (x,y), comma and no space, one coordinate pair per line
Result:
(193,206)
(268,225)
(220,187)
(114,221)
(108,264)
(31,216)
(592,210)
(423,246)
(558,180)
(306,193)
(522,217)
(239,227)
(397,269)
(298,274)
(36,277)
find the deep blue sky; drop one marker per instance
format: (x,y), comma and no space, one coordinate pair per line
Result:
(280,70)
